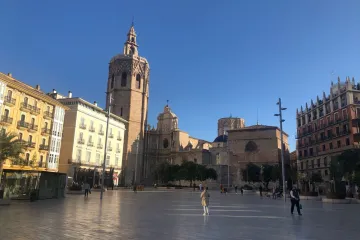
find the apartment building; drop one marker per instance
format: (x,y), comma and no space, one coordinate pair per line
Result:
(328,126)
(36,118)
(83,144)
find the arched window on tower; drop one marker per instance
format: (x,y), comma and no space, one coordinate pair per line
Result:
(112,81)
(138,81)
(123,79)
(132,39)
(132,50)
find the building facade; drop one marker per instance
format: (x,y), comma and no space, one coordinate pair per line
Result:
(36,118)
(168,143)
(219,147)
(258,144)
(230,123)
(128,89)
(327,127)
(83,143)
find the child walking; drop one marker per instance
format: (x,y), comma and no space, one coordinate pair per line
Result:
(205,201)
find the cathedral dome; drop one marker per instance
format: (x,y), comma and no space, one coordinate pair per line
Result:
(167,113)
(221,138)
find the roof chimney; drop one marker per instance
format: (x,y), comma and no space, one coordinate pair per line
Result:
(95,103)
(69,94)
(54,91)
(37,87)
(10,74)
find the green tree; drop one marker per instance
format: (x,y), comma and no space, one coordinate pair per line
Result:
(10,148)
(162,172)
(181,174)
(266,174)
(276,173)
(251,173)
(200,172)
(191,169)
(315,179)
(211,174)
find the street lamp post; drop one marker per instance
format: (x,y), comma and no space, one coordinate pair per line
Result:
(282,145)
(105,148)
(228,178)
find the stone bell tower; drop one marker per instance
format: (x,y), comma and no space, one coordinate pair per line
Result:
(128,84)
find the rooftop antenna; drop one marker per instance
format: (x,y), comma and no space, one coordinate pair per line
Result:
(132,21)
(167,103)
(257,116)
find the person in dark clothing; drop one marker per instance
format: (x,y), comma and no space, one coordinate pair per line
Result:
(236,187)
(242,190)
(260,190)
(194,186)
(295,200)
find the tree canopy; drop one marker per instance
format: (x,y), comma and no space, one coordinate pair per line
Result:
(190,171)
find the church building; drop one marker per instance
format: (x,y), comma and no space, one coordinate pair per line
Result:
(127,97)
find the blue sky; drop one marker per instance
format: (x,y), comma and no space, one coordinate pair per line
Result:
(209,58)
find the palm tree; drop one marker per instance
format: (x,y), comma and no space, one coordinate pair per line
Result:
(10,148)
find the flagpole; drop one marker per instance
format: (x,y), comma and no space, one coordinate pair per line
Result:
(105,148)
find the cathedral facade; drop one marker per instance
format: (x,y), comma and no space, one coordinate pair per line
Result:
(145,147)
(166,142)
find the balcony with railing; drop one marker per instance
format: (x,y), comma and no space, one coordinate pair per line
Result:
(6,120)
(109,148)
(90,144)
(30,144)
(81,141)
(100,146)
(35,110)
(44,147)
(118,150)
(119,138)
(22,125)
(92,129)
(45,131)
(29,108)
(101,132)
(41,164)
(32,128)
(9,101)
(82,126)
(48,115)
(111,135)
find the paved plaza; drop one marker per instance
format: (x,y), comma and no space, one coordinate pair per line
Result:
(177,215)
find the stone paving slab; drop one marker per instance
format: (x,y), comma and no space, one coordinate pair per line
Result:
(177,215)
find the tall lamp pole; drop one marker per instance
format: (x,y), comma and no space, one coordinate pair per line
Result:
(282,145)
(228,158)
(106,147)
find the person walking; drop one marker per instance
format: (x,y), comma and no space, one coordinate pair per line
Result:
(295,200)
(200,187)
(236,187)
(205,200)
(87,189)
(242,190)
(260,190)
